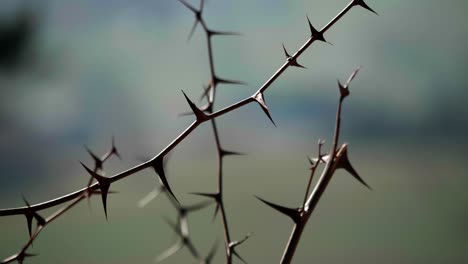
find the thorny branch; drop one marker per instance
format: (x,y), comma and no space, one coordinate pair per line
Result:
(337,159)
(41,222)
(206,113)
(210,94)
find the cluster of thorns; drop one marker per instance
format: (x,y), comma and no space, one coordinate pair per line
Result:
(98,184)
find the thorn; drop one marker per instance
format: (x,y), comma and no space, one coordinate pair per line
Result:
(344,89)
(259,98)
(95,175)
(292,60)
(29,219)
(212,33)
(196,207)
(197,14)
(114,149)
(104,191)
(97,160)
(315,33)
(296,64)
(364,5)
(217,80)
(286,52)
(224,153)
(293,213)
(234,244)
(215,196)
(238,256)
(19,257)
(345,164)
(199,114)
(192,30)
(212,253)
(206,93)
(158,166)
(29,216)
(32,214)
(188,6)
(215,212)
(104,185)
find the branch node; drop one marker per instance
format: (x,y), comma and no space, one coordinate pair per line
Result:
(344,91)
(291,59)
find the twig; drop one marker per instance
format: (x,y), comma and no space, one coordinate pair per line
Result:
(337,159)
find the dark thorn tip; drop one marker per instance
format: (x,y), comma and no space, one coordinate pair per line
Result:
(315,33)
(260,100)
(199,114)
(291,212)
(158,165)
(364,5)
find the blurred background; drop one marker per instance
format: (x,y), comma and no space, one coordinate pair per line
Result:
(75,73)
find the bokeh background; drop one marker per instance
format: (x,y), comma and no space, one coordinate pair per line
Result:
(86,70)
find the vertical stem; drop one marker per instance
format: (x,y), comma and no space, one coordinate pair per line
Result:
(292,243)
(220,203)
(310,206)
